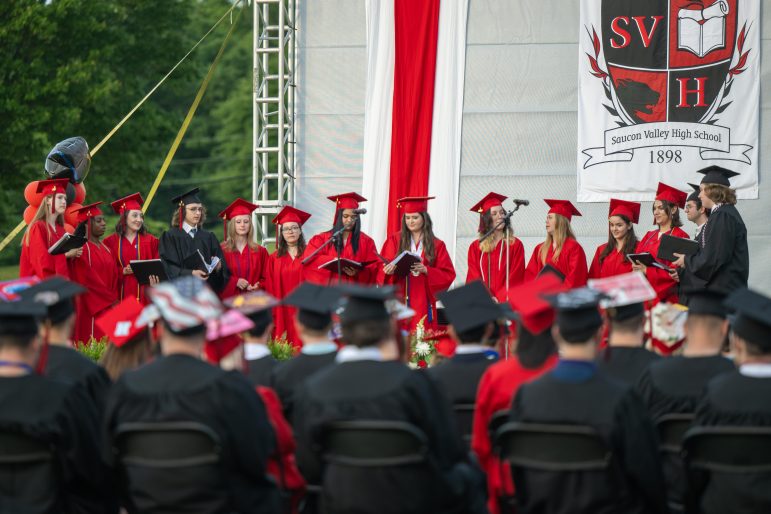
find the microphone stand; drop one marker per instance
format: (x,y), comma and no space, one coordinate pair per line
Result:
(338,249)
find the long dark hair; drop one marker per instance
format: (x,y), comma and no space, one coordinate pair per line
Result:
(427,237)
(668,207)
(282,248)
(355,231)
(630,240)
(120,227)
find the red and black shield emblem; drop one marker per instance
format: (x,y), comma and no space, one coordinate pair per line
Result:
(668,59)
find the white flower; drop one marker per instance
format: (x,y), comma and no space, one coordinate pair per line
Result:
(422,348)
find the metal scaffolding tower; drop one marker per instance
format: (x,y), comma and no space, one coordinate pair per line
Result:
(273,119)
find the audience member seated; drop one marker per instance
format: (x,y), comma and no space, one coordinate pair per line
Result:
(258,361)
(625,358)
(129,342)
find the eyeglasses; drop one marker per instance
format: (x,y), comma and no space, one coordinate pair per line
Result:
(290,229)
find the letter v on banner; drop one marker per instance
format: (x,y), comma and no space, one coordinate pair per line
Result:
(666,88)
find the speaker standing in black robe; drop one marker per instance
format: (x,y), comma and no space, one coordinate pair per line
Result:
(722,262)
(575,393)
(741,398)
(62,361)
(179,246)
(57,414)
(625,358)
(179,386)
(368,383)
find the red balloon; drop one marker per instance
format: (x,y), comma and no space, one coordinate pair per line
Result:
(70,216)
(80,193)
(30,212)
(69,228)
(31,194)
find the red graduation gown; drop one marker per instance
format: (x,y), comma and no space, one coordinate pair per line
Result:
(666,288)
(95,270)
(496,389)
(283,274)
(615,263)
(35,259)
(419,293)
(490,267)
(571,263)
(248,264)
(367,255)
(143,247)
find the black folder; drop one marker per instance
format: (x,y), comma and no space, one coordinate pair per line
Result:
(647,259)
(143,269)
(671,245)
(66,243)
(404,262)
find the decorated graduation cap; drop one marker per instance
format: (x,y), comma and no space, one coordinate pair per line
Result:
(132,202)
(85,213)
(578,315)
(239,207)
(753,317)
(485,204)
(533,312)
(21,317)
(694,196)
(562,207)
(52,187)
(255,305)
(413,203)
(630,210)
(364,303)
(470,306)
(671,194)
(120,323)
(706,302)
(717,175)
(185,199)
(315,304)
(56,294)
(185,304)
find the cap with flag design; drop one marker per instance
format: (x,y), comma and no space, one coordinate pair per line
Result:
(120,323)
(413,204)
(671,194)
(185,303)
(132,202)
(630,210)
(562,207)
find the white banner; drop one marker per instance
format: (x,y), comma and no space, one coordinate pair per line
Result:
(665,89)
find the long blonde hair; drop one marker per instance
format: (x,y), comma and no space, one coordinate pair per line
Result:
(489,244)
(41,214)
(562,232)
(230,242)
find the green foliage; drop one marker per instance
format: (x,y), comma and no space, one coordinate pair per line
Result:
(93,349)
(76,67)
(281,349)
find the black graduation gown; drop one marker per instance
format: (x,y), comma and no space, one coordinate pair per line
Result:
(370,390)
(68,365)
(290,374)
(722,263)
(63,416)
(178,252)
(616,412)
(625,364)
(688,280)
(259,371)
(675,386)
(183,388)
(738,400)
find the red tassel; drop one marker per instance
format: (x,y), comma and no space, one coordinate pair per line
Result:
(42,359)
(181,215)
(88,228)
(224,228)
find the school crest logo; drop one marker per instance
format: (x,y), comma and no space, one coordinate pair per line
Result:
(667,71)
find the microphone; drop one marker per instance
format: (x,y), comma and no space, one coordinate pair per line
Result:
(360,211)
(520,203)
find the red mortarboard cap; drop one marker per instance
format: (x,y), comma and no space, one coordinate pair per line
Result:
(347,200)
(671,195)
(291,214)
(562,207)
(239,207)
(414,203)
(535,313)
(120,322)
(132,202)
(49,187)
(88,211)
(631,210)
(488,202)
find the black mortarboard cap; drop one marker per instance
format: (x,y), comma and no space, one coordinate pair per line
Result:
(577,312)
(315,304)
(21,317)
(470,306)
(706,302)
(693,197)
(717,175)
(364,303)
(753,317)
(554,271)
(187,198)
(625,312)
(55,293)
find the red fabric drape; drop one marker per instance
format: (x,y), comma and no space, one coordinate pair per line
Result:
(416,31)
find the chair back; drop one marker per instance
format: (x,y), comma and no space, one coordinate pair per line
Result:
(497,420)
(464,413)
(671,429)
(373,443)
(728,449)
(25,463)
(548,447)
